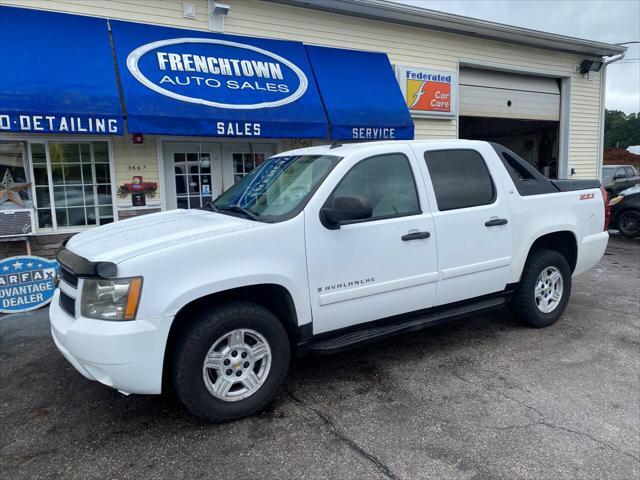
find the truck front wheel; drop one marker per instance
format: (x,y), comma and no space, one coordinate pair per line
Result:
(543,291)
(229,362)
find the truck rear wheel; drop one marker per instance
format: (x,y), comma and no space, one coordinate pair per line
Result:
(544,289)
(230,362)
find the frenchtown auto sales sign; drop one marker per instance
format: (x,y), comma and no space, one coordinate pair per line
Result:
(26,283)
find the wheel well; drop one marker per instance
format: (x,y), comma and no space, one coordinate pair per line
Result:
(274,298)
(562,242)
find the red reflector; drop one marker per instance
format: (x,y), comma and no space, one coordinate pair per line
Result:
(607,208)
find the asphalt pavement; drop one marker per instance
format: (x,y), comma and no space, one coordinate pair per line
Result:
(481,398)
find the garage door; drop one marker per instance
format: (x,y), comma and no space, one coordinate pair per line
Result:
(486,93)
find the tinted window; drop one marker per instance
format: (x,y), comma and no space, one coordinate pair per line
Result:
(460,179)
(630,172)
(607,172)
(386,181)
(620,172)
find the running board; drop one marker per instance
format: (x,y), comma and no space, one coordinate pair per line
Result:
(410,324)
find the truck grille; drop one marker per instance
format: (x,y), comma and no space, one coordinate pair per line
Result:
(68,304)
(68,276)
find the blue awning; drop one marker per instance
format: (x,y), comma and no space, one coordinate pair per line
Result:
(57,74)
(185,82)
(361,95)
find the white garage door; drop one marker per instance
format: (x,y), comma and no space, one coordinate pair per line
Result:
(486,93)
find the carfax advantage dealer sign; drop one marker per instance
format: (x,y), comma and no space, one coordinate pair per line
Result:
(428,92)
(26,283)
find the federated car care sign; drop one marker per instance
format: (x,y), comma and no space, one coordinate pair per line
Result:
(26,283)
(428,92)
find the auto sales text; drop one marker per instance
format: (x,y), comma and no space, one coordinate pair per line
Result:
(229,67)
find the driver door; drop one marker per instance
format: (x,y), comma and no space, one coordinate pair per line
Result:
(379,267)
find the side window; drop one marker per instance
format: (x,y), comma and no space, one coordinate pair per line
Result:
(460,179)
(630,172)
(620,171)
(386,181)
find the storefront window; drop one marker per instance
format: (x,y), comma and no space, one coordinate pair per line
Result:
(243,163)
(74,187)
(15,191)
(193,179)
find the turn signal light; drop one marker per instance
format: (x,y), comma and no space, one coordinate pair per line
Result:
(133,298)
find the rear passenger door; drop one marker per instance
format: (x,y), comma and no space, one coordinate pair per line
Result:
(472,222)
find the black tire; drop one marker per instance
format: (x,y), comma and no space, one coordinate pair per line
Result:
(629,223)
(198,337)
(523,304)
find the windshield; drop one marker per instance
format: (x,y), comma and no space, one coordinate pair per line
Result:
(277,187)
(607,172)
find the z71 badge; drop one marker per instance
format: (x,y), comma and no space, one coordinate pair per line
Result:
(587,196)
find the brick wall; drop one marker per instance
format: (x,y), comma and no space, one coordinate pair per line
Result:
(44,246)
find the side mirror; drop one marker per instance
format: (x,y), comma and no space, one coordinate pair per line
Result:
(345,209)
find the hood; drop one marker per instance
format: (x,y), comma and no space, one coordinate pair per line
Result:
(122,240)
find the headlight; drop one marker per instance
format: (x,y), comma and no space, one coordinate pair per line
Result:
(111,299)
(616,200)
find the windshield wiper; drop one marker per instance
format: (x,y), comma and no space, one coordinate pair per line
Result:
(238,209)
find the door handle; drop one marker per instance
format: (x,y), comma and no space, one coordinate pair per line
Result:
(415,236)
(495,222)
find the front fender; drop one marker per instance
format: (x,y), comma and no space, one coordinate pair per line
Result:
(179,274)
(226,284)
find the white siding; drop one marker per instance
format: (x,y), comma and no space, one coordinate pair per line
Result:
(136,160)
(161,12)
(405,45)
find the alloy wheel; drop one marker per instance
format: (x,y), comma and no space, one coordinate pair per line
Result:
(549,288)
(237,365)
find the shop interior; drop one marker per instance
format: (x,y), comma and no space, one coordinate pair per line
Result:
(534,140)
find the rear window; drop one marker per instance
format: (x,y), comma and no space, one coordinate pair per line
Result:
(460,179)
(630,172)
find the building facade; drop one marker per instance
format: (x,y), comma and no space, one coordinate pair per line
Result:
(144,126)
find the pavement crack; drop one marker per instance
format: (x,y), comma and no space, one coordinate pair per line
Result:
(335,430)
(592,438)
(499,392)
(543,421)
(30,456)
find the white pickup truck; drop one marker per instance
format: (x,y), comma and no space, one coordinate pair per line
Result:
(318,250)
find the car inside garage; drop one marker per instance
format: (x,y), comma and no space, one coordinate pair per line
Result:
(521,112)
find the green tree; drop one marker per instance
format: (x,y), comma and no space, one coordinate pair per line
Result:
(621,130)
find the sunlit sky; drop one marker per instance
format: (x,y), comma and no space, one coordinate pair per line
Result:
(611,21)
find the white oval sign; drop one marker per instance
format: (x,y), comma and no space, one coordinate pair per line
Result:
(135,56)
